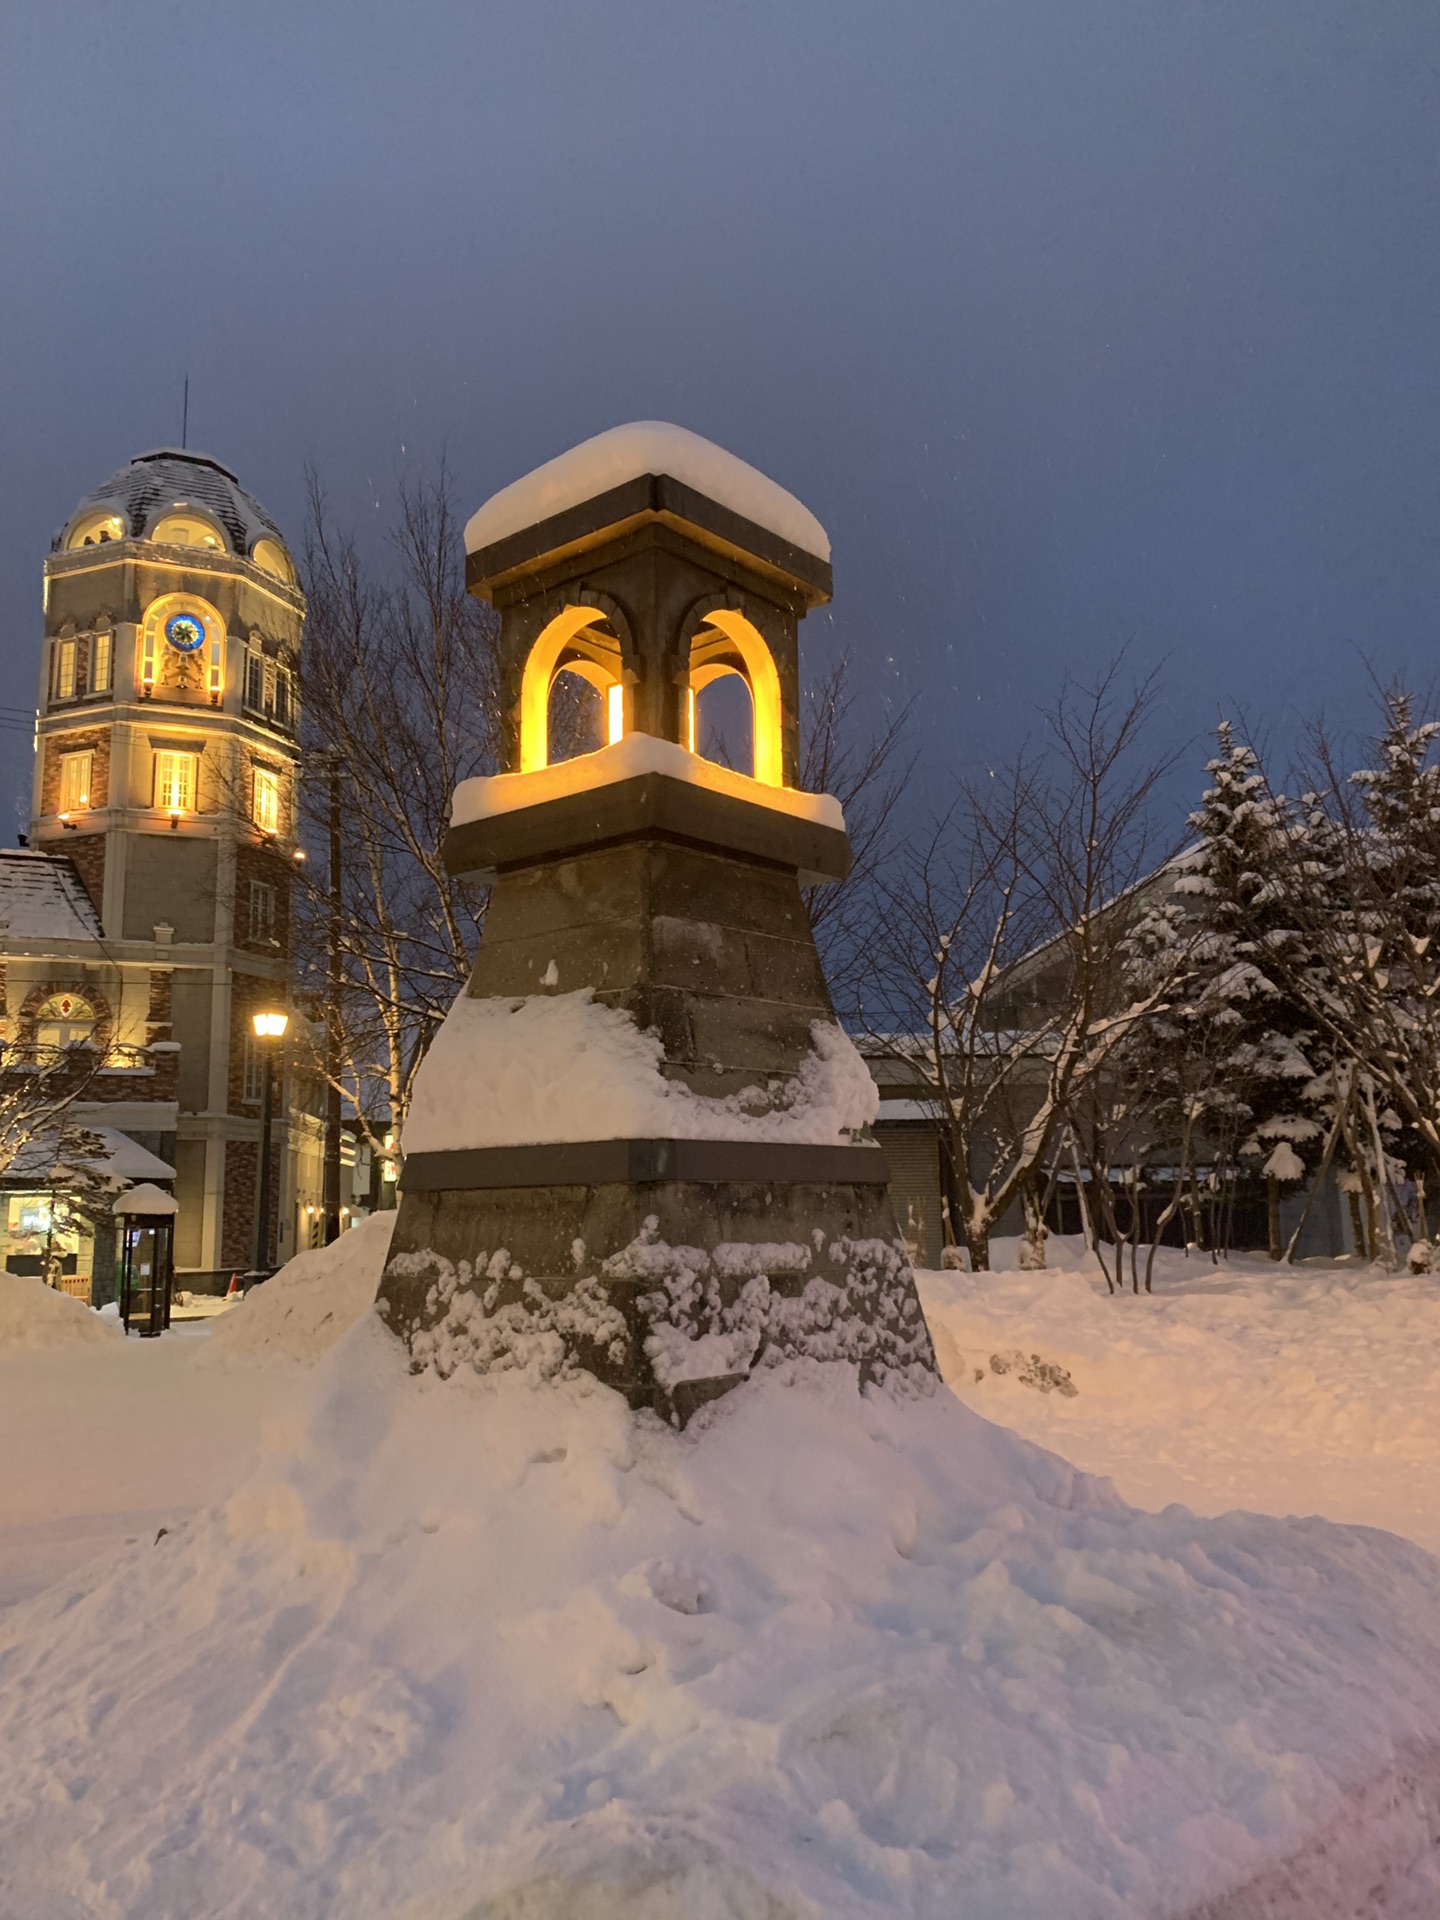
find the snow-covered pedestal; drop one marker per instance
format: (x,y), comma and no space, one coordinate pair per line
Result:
(639,1146)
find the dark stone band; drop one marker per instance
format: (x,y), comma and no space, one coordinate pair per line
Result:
(603,1163)
(647,806)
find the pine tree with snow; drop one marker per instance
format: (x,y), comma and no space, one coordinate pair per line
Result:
(1247,1054)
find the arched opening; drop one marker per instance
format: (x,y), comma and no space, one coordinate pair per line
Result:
(575,643)
(185,528)
(64,1020)
(272,558)
(729,644)
(182,647)
(95,530)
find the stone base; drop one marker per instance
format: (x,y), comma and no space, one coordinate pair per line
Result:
(669,1291)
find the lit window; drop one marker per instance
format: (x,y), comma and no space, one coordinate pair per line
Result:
(262,911)
(271,557)
(175,782)
(65,670)
(76,770)
(65,1020)
(96,530)
(187,530)
(101,656)
(266,808)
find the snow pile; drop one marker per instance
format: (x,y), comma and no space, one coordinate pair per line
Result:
(564,1066)
(303,1309)
(1290,1390)
(483,1646)
(625,453)
(486,795)
(33,1316)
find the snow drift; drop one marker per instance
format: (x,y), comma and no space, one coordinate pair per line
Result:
(314,1298)
(34,1316)
(485,1646)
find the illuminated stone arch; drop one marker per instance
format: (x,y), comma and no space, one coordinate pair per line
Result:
(573,641)
(723,640)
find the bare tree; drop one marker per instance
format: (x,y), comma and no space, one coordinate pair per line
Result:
(401,702)
(868,773)
(1004,982)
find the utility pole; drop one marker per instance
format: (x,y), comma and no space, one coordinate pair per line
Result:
(332,1012)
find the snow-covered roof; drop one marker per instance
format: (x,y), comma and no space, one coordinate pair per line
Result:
(146,1199)
(117,1156)
(627,453)
(41,898)
(169,477)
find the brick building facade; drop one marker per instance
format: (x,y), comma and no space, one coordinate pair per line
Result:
(156,888)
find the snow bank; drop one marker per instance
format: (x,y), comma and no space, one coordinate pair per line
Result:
(624,453)
(564,1067)
(33,1316)
(303,1309)
(483,1646)
(1290,1390)
(489,794)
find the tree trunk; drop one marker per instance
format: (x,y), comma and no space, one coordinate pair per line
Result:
(1357,1224)
(1272,1216)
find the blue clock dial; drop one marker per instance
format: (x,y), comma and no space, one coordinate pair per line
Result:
(184,632)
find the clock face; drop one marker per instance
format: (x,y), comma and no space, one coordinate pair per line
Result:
(184,632)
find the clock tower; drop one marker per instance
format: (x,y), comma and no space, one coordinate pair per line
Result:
(165,769)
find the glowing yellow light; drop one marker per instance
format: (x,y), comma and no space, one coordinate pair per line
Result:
(615,710)
(763,680)
(270,1026)
(690,718)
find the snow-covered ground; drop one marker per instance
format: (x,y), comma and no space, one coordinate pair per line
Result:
(439,1650)
(1313,1389)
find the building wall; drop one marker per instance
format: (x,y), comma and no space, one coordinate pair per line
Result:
(189,967)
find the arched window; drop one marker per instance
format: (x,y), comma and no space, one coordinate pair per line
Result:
(186,528)
(182,647)
(64,1020)
(272,558)
(95,529)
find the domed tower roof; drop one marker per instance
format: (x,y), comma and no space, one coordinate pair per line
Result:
(156,483)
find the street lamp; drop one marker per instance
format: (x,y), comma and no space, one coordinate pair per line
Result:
(269,1031)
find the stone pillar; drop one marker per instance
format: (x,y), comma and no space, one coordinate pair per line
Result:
(653,894)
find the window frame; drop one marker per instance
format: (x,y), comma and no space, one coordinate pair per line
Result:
(174,756)
(67,668)
(264,901)
(265,814)
(77,770)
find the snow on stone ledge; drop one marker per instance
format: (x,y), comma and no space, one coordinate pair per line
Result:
(487,795)
(510,1073)
(624,453)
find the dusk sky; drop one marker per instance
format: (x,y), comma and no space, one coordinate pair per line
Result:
(1076,322)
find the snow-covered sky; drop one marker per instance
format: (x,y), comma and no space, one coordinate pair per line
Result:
(1073,324)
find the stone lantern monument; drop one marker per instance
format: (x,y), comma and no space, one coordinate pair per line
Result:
(639,1145)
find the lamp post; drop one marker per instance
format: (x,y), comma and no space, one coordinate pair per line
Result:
(269,1030)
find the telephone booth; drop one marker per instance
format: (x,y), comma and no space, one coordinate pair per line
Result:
(146,1219)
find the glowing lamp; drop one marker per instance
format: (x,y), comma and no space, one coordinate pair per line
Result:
(270,1026)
